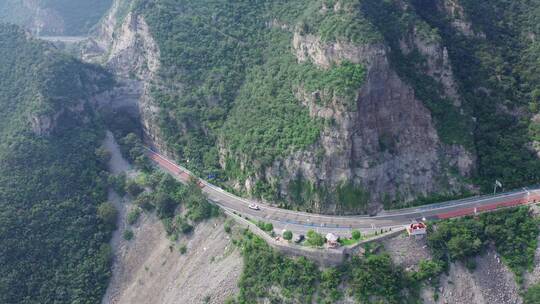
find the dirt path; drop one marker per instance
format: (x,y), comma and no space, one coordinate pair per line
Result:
(117,165)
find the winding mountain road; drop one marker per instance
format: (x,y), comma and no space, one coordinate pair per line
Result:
(301,222)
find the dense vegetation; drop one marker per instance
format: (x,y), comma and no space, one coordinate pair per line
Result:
(370,279)
(532,296)
(497,70)
(53,236)
(230,80)
(373,278)
(240,81)
(513,233)
(76,16)
(179,206)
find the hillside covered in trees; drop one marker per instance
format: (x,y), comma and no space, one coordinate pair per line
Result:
(53,243)
(326,106)
(344,106)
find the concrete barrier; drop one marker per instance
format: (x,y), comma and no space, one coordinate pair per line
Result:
(355,249)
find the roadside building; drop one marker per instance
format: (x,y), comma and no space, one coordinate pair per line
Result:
(417,229)
(332,240)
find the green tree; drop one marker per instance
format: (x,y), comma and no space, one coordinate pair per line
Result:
(462,246)
(133,188)
(107,213)
(314,239)
(532,296)
(118,183)
(128,235)
(356,235)
(428,270)
(133,215)
(287,235)
(145,201)
(103,155)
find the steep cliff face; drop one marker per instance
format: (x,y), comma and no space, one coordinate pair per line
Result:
(387,145)
(123,44)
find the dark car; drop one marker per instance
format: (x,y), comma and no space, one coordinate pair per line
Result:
(299,238)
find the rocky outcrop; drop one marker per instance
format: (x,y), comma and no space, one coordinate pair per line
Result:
(124,44)
(438,65)
(387,144)
(43,125)
(126,47)
(459,20)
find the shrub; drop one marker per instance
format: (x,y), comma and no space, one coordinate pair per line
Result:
(376,279)
(182,249)
(145,201)
(133,189)
(230,300)
(356,235)
(532,296)
(227,226)
(287,235)
(107,213)
(133,215)
(182,225)
(428,270)
(268,227)
(315,239)
(165,204)
(118,183)
(128,235)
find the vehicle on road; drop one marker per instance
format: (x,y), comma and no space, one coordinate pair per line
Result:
(299,238)
(254,207)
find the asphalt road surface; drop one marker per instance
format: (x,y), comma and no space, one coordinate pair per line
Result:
(301,222)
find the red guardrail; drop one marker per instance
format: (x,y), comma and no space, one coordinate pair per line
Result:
(172,168)
(485,208)
(457,213)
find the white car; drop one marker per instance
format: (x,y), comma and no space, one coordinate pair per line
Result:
(254,207)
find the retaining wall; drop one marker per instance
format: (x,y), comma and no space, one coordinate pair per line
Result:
(323,257)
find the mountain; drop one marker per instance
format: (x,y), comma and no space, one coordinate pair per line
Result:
(53,242)
(54,17)
(326,106)
(336,106)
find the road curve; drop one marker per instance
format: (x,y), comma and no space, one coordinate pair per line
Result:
(301,222)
